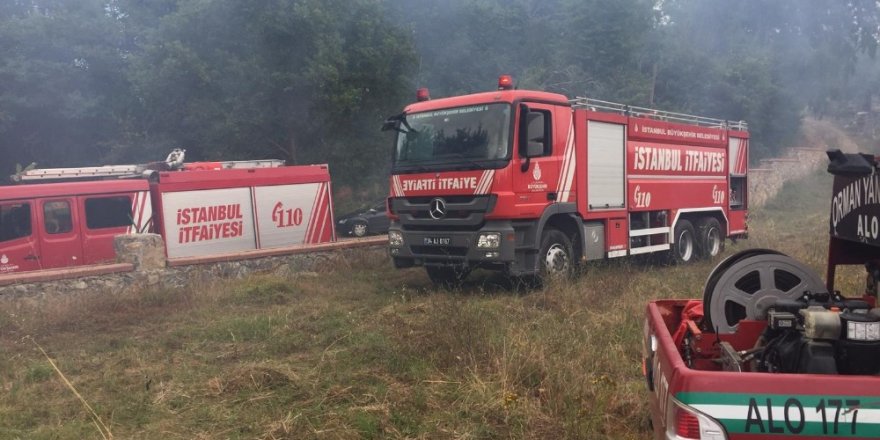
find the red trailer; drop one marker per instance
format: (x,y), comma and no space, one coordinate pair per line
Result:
(199,209)
(531,182)
(771,351)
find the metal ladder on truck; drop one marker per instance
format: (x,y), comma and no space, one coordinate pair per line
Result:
(650,113)
(174,162)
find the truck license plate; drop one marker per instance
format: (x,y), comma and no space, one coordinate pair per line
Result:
(437,241)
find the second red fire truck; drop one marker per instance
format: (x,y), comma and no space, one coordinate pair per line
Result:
(200,209)
(531,183)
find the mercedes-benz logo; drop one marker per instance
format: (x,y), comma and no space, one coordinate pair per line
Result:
(437,209)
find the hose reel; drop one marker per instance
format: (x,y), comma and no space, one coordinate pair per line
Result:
(746,284)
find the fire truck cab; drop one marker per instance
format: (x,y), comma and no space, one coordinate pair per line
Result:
(67,224)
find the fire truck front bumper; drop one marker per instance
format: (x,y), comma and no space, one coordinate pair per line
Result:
(491,246)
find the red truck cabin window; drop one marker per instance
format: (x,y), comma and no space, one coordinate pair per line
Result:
(108,212)
(15,221)
(57,217)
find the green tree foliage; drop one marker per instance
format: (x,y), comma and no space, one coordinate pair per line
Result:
(573,47)
(308,81)
(62,81)
(600,47)
(463,45)
(719,60)
(763,61)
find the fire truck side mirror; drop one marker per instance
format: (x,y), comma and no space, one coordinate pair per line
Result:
(531,132)
(390,124)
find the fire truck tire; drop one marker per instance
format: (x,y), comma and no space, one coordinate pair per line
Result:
(710,241)
(447,277)
(359,228)
(683,250)
(556,257)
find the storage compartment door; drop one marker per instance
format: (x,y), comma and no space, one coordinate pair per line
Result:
(208,222)
(605,165)
(293,214)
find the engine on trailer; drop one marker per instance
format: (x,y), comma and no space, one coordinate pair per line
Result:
(820,333)
(808,330)
(771,313)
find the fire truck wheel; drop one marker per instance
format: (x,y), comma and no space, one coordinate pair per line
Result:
(710,242)
(359,229)
(683,249)
(447,277)
(556,258)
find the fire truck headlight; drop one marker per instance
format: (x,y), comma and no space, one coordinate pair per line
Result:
(491,240)
(395,239)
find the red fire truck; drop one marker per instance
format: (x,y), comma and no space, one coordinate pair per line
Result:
(202,208)
(531,182)
(771,351)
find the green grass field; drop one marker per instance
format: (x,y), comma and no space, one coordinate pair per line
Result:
(357,349)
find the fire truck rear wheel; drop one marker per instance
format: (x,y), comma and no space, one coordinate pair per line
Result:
(447,277)
(556,258)
(682,251)
(710,242)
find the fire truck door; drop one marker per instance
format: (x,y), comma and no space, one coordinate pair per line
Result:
(60,238)
(536,178)
(19,247)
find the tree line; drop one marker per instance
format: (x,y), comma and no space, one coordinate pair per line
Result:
(310,81)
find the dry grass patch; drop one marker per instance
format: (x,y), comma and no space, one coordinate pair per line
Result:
(356,349)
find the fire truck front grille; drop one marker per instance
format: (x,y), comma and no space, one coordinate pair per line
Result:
(431,250)
(425,200)
(442,212)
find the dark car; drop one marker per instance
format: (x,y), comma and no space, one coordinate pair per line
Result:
(364,222)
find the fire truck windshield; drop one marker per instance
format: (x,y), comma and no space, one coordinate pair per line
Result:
(469,137)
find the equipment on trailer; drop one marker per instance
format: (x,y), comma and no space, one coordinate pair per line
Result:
(808,329)
(707,361)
